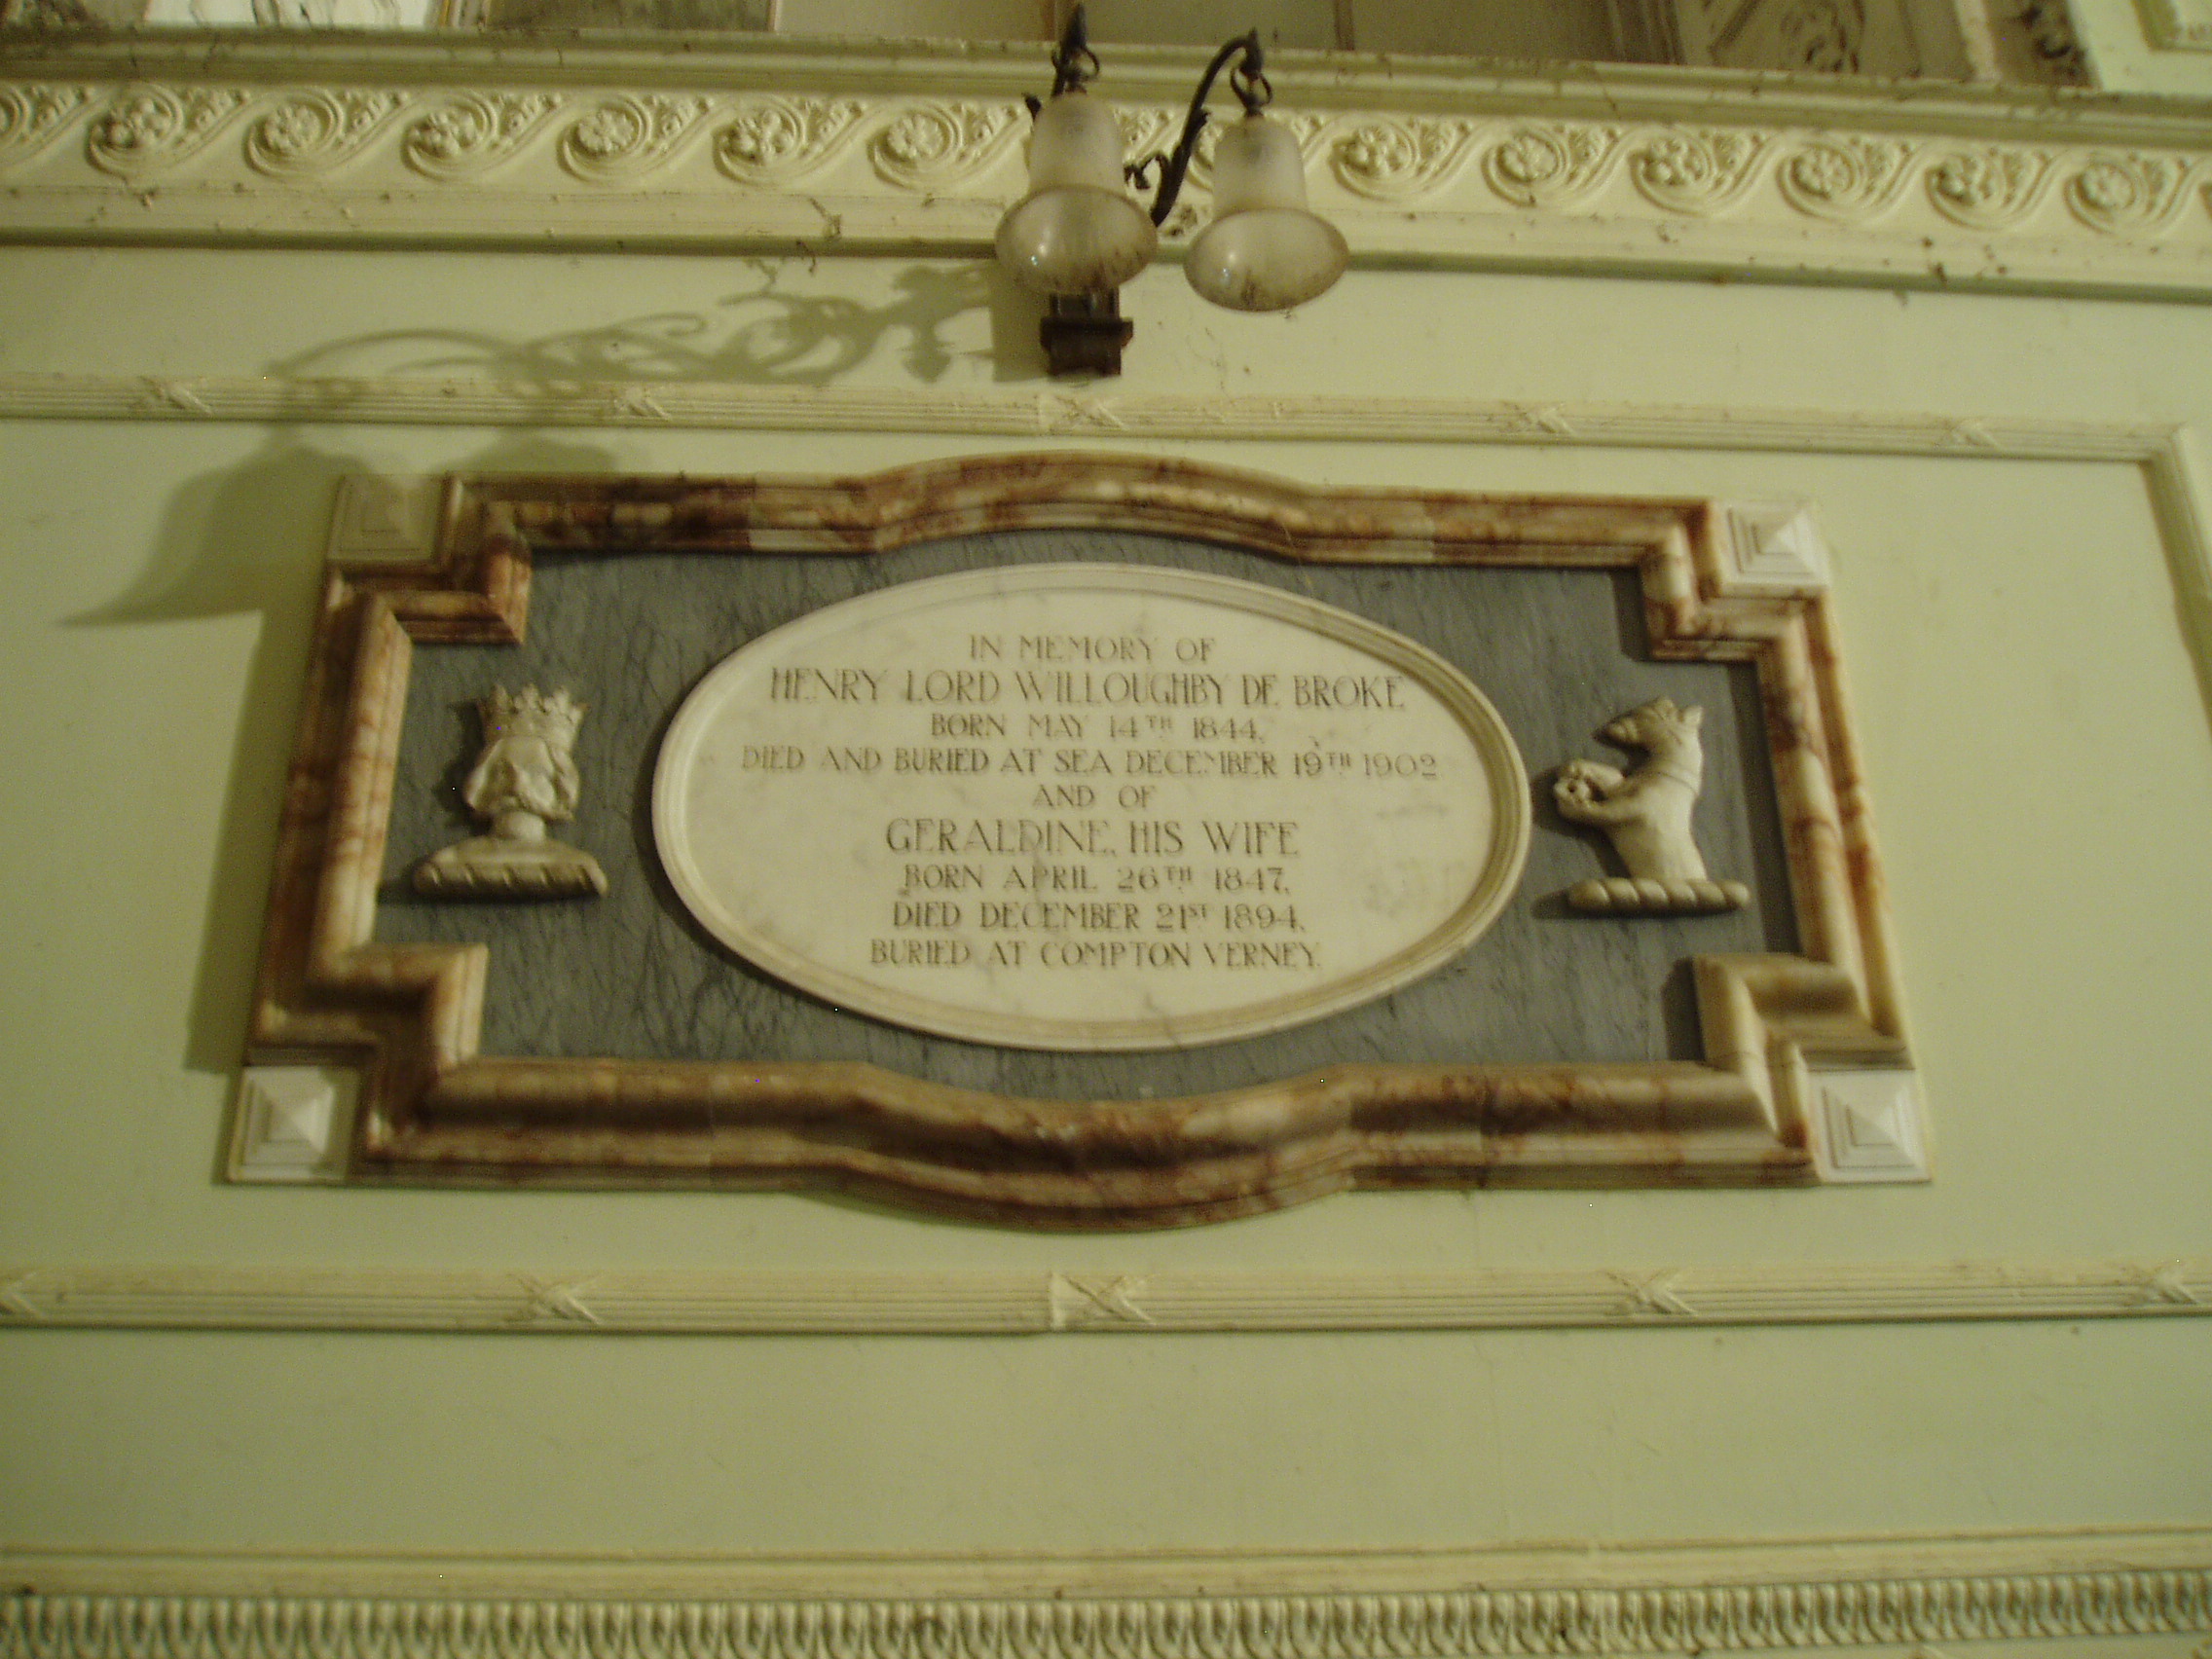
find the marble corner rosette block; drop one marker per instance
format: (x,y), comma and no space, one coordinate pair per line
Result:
(1041,820)
(1090,807)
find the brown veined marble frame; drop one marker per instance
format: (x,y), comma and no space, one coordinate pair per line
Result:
(408,1017)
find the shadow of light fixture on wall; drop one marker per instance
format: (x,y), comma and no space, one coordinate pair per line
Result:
(1078,235)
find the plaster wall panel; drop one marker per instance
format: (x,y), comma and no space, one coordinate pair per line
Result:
(2004,482)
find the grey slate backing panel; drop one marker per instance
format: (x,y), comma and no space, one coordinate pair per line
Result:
(630,976)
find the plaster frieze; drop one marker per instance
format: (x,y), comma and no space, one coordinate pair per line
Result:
(32,116)
(749,147)
(311,132)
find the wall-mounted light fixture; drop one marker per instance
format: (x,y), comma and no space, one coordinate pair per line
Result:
(1078,235)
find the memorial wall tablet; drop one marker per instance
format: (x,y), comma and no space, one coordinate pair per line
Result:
(1078,840)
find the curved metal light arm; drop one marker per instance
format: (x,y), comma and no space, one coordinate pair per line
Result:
(1247,80)
(1073,60)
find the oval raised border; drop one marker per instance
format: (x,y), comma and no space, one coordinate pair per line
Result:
(704,805)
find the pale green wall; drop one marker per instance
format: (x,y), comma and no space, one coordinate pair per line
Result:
(2042,780)
(2114,34)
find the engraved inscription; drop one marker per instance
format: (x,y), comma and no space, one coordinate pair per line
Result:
(1090,807)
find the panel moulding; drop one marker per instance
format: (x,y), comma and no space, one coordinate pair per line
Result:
(1010,1302)
(763,149)
(167,1295)
(429,400)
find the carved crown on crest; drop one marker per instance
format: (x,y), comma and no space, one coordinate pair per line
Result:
(532,714)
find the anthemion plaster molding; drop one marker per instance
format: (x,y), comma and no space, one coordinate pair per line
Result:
(1723,1596)
(757,146)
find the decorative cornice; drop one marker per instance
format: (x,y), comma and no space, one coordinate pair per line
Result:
(1006,1302)
(769,149)
(1590,1598)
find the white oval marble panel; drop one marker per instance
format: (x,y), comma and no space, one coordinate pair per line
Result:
(1090,807)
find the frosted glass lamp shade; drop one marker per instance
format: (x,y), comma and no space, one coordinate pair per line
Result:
(1076,231)
(1263,250)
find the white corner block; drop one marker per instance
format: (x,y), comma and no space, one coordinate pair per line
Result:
(294,1123)
(1869,1125)
(1774,550)
(386,519)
